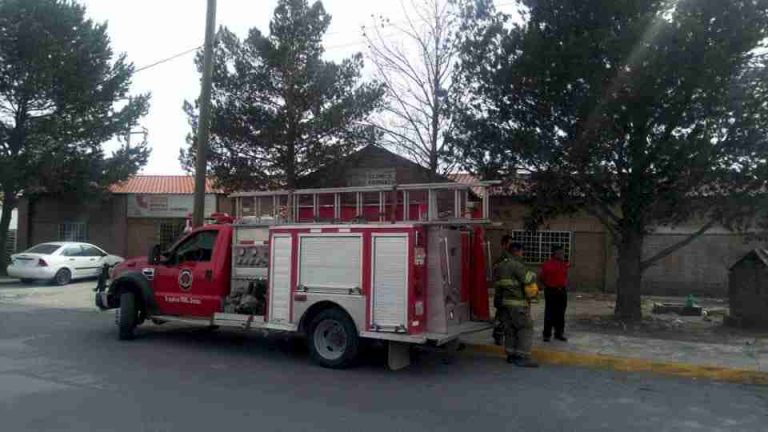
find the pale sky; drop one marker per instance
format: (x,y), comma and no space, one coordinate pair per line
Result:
(151,30)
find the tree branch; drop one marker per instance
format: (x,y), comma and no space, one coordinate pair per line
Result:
(679,245)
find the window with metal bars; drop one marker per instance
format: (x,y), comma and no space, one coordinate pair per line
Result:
(168,232)
(537,245)
(73,231)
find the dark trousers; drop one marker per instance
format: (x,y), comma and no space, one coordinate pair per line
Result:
(498,327)
(556,300)
(518,330)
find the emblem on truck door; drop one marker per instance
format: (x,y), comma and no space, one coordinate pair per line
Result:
(185,279)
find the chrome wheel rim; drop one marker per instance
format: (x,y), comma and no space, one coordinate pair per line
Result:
(62,277)
(330,339)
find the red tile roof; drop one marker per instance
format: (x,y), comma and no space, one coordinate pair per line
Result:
(160,184)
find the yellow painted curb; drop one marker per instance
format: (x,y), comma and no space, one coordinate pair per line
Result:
(624,364)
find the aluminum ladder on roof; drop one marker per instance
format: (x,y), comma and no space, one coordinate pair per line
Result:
(288,206)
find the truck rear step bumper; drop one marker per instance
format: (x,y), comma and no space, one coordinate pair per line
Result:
(436,338)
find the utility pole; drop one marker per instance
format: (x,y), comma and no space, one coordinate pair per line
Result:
(204,119)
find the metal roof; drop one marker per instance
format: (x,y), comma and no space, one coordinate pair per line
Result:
(760,253)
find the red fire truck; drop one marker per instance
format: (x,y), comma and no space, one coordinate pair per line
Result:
(405,264)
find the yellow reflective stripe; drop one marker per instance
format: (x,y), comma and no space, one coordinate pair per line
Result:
(529,278)
(514,302)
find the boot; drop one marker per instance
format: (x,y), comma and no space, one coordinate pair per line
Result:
(525,362)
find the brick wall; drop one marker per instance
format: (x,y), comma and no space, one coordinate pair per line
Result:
(700,268)
(589,241)
(104,219)
(143,234)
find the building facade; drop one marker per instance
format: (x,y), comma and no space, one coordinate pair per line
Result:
(700,268)
(136,214)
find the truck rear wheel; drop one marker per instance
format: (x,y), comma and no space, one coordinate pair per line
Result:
(333,340)
(127,316)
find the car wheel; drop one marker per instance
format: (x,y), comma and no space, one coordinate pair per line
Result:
(127,316)
(333,340)
(62,277)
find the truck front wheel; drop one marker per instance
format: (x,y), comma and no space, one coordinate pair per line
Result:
(127,316)
(333,340)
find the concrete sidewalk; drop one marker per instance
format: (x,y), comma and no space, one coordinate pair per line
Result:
(729,362)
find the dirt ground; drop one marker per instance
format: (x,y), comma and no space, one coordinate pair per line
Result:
(593,312)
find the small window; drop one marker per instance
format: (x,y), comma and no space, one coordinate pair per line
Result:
(537,245)
(72,231)
(72,251)
(92,251)
(198,247)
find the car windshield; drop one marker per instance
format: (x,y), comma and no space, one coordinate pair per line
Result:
(43,249)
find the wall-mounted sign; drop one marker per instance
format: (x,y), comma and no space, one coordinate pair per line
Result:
(165,205)
(375,177)
(370,176)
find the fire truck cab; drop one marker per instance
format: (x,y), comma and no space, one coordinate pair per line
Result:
(405,264)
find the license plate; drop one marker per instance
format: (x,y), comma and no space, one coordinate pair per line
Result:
(25,262)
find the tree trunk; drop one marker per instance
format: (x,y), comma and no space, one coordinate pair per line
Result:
(630,277)
(9,203)
(290,166)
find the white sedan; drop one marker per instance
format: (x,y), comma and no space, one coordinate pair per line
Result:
(60,262)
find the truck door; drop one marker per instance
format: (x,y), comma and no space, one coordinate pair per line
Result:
(187,282)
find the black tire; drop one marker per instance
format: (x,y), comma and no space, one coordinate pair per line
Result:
(127,316)
(62,277)
(332,339)
(27,281)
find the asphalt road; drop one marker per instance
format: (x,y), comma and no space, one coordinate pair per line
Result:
(64,370)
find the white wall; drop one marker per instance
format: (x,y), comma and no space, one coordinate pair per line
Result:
(14,219)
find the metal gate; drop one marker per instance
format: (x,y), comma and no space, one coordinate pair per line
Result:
(389,282)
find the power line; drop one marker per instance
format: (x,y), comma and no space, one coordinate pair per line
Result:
(173,57)
(327,48)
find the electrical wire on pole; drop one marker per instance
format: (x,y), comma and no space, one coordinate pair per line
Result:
(204,119)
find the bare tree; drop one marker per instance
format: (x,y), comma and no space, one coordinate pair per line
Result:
(414,59)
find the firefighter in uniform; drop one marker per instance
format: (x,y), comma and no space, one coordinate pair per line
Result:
(498,328)
(518,287)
